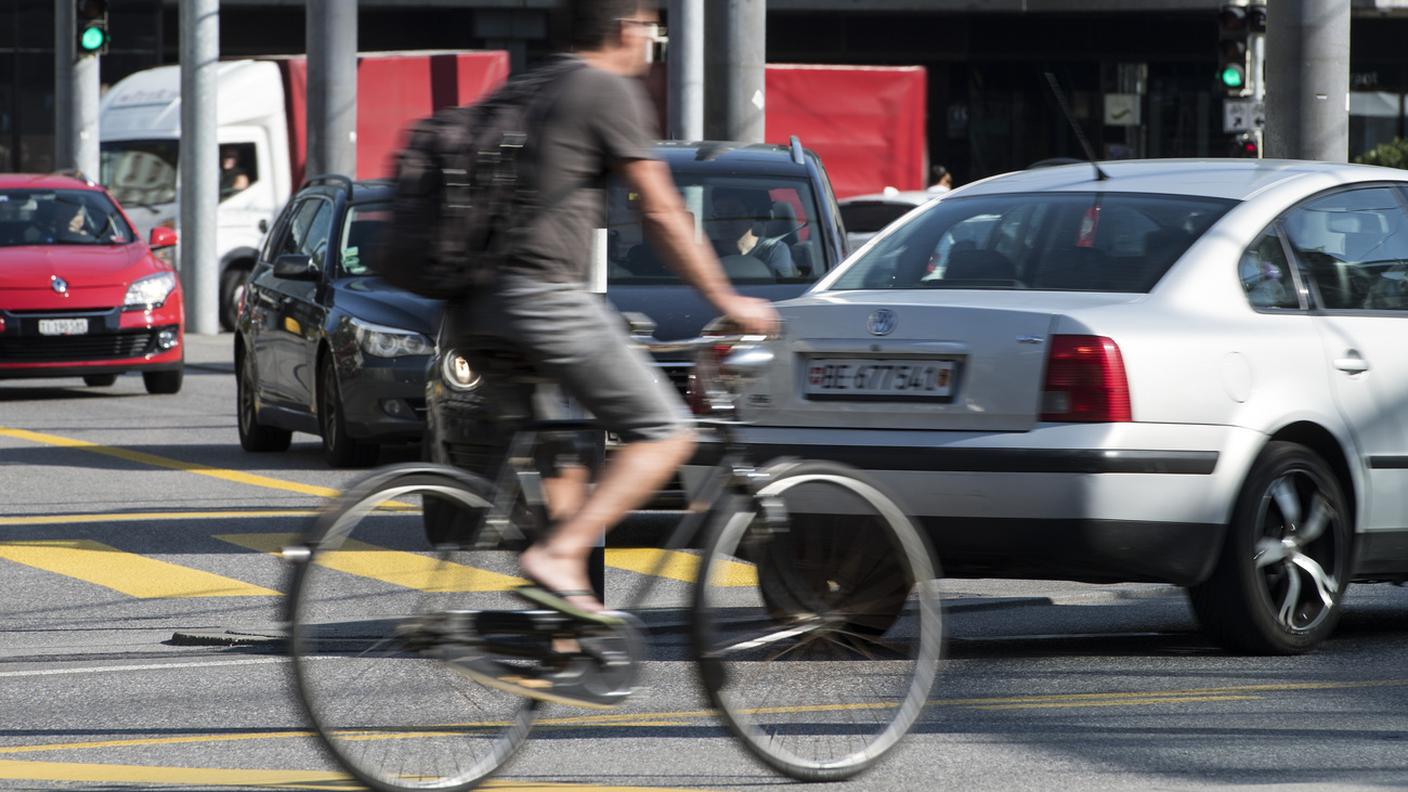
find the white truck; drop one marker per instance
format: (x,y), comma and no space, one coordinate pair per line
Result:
(262,134)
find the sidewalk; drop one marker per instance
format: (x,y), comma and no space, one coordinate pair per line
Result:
(211,352)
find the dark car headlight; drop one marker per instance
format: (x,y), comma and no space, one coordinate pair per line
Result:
(390,342)
(456,372)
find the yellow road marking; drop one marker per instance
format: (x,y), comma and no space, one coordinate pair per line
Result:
(16,770)
(409,570)
(90,518)
(144,458)
(638,719)
(679,566)
(128,573)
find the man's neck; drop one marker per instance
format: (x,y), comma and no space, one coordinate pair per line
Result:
(607,60)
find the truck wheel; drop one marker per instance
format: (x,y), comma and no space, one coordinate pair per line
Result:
(253,436)
(1279,584)
(340,448)
(232,283)
(163,381)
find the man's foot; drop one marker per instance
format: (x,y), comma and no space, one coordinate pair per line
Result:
(562,578)
(575,683)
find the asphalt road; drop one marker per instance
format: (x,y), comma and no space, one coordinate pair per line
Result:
(116,516)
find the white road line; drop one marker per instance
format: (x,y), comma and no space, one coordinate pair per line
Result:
(145,667)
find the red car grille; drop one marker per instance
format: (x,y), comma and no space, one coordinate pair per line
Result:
(46,349)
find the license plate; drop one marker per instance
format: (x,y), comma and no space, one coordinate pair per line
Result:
(871,378)
(63,327)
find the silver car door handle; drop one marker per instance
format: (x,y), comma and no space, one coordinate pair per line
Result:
(1352,363)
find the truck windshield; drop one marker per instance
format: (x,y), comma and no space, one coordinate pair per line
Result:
(140,172)
(1104,242)
(60,217)
(764,230)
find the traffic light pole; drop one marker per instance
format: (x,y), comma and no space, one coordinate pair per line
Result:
(199,164)
(1307,91)
(75,96)
(332,87)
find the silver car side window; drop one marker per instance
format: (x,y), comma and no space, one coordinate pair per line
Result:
(1266,275)
(1353,246)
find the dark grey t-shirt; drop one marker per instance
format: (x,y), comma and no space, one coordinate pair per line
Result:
(598,120)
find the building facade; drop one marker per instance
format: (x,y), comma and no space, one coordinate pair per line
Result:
(1139,73)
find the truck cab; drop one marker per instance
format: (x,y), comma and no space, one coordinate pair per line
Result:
(140,123)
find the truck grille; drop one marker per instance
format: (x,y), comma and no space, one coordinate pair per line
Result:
(46,349)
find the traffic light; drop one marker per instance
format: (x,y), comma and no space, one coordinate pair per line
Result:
(1256,18)
(1233,25)
(92,27)
(1244,145)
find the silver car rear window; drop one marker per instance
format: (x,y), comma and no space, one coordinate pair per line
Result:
(1105,242)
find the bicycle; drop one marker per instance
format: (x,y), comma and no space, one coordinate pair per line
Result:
(815,620)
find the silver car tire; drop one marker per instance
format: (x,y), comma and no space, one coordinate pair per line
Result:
(1278,587)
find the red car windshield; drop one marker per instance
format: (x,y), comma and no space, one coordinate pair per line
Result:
(60,217)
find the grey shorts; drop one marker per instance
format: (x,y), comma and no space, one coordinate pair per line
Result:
(577,339)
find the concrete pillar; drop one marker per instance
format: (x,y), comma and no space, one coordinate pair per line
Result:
(1307,82)
(332,87)
(200,164)
(686,63)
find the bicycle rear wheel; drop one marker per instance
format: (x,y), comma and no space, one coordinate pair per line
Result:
(373,621)
(818,626)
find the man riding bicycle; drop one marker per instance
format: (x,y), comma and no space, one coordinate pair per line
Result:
(598,125)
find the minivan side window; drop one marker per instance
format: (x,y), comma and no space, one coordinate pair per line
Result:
(1266,275)
(1353,246)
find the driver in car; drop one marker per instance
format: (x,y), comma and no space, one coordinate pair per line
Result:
(735,226)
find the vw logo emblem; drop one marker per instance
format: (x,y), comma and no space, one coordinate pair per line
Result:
(882,322)
(59,284)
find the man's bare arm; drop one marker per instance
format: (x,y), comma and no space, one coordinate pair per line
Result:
(671,232)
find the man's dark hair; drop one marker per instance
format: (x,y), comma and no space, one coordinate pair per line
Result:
(595,22)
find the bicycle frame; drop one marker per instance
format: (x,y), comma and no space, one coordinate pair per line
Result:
(731,476)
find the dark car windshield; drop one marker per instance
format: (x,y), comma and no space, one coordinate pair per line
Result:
(60,217)
(764,230)
(1108,242)
(361,231)
(140,172)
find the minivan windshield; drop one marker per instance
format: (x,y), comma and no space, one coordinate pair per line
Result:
(60,217)
(764,230)
(139,172)
(1106,242)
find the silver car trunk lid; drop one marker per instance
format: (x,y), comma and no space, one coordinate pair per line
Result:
(986,356)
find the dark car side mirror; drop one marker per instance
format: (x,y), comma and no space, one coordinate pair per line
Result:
(162,237)
(295,266)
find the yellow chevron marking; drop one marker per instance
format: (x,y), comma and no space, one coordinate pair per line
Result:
(144,458)
(128,573)
(397,567)
(677,565)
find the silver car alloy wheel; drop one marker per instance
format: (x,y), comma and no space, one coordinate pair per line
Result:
(1298,545)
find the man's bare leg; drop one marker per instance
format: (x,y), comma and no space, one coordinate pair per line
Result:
(635,473)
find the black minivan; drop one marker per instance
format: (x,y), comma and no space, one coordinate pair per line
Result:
(769,212)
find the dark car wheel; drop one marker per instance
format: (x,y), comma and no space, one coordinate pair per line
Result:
(1279,585)
(232,283)
(163,381)
(100,380)
(253,436)
(340,448)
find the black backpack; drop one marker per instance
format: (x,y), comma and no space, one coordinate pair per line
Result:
(463,183)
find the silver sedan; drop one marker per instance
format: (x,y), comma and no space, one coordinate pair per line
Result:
(1192,372)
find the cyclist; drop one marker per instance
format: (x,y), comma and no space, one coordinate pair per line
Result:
(598,125)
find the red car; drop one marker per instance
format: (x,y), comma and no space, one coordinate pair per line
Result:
(80,294)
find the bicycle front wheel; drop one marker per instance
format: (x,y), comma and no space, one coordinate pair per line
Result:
(377,617)
(817,621)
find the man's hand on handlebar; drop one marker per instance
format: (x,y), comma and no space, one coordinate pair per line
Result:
(751,316)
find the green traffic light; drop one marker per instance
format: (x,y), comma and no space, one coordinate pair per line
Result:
(1232,77)
(92,39)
